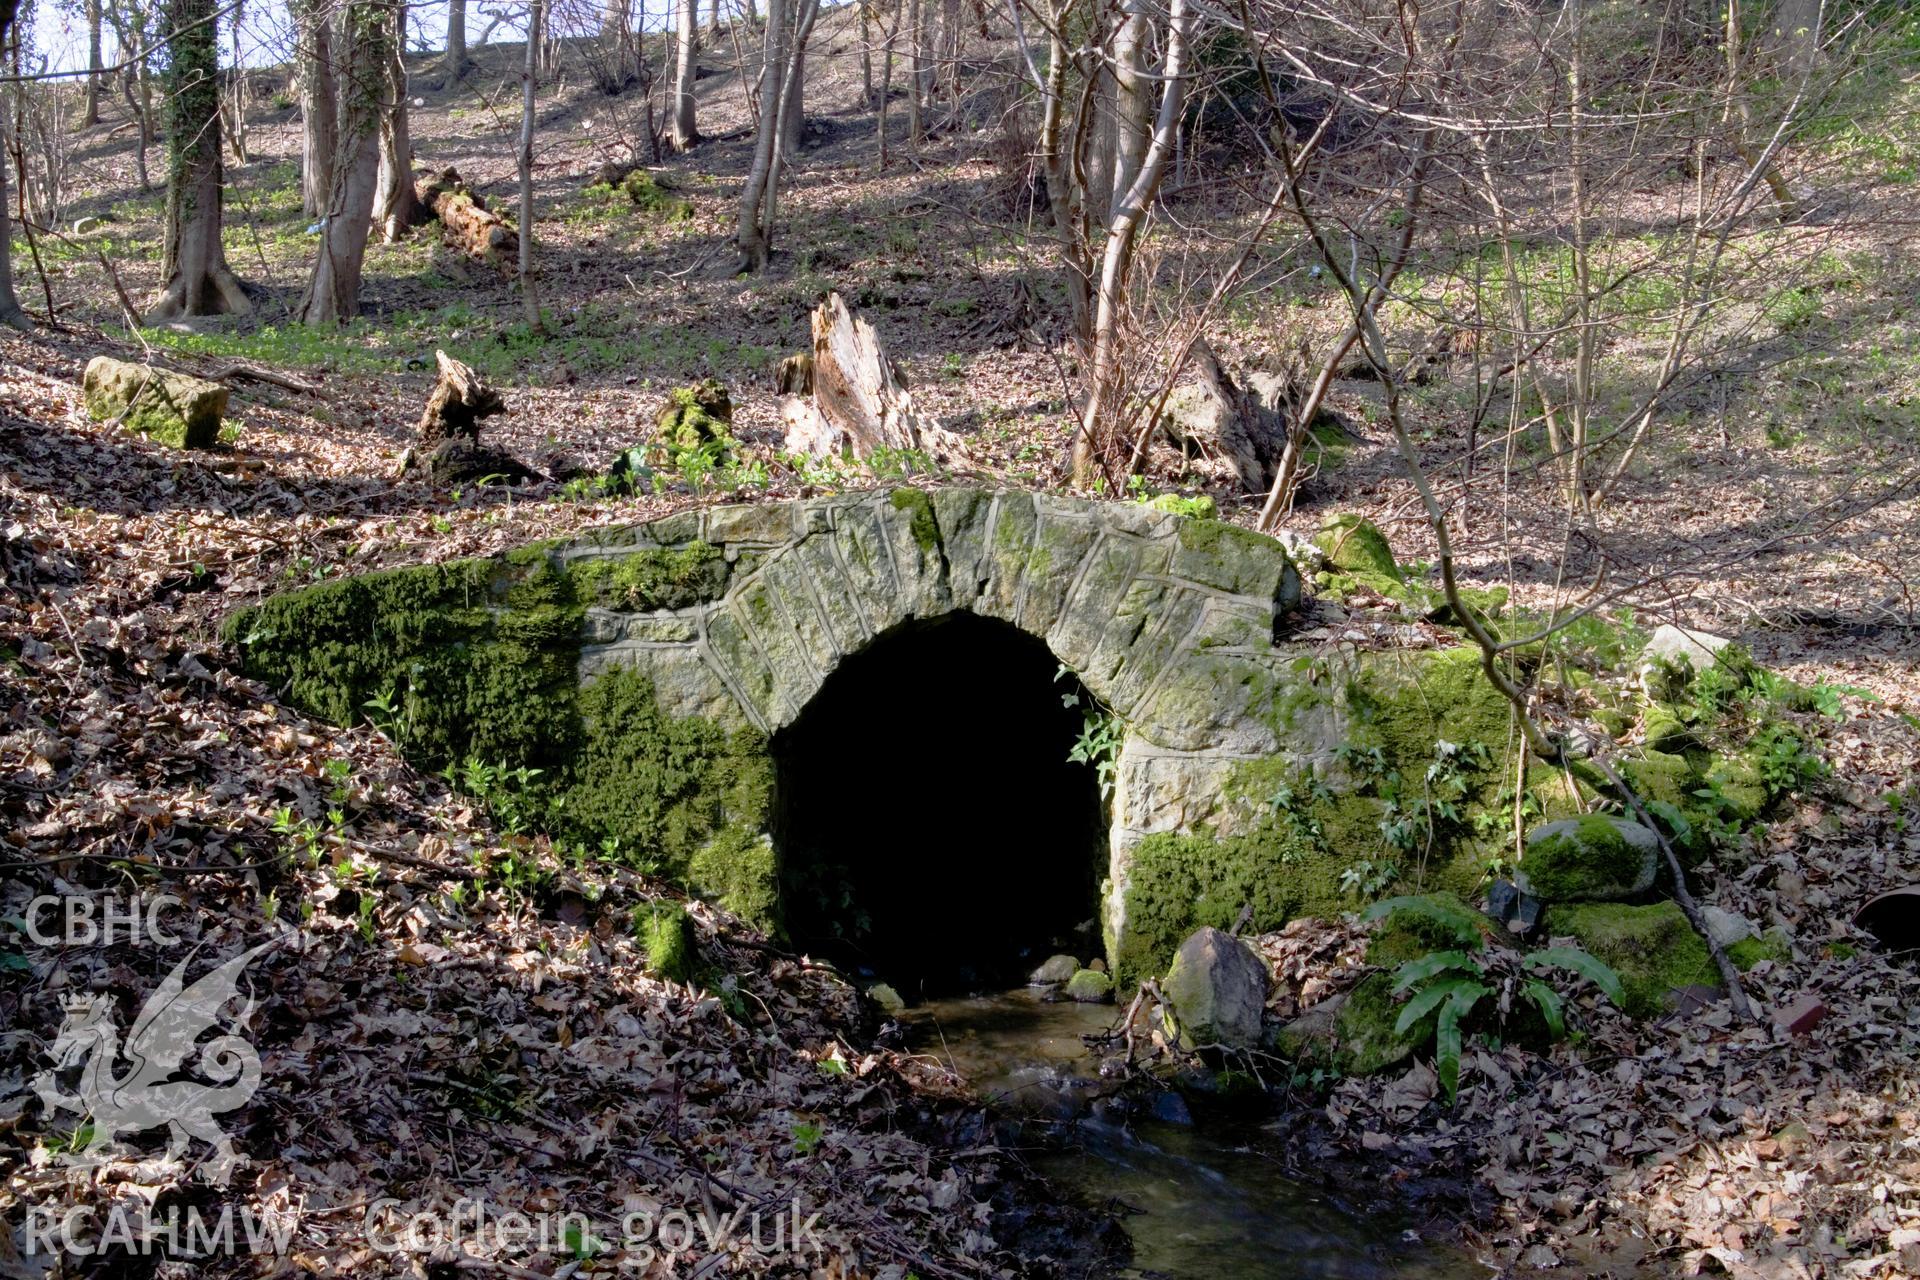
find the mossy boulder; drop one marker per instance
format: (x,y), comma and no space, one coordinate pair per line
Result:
(1053,971)
(1653,949)
(1431,922)
(1364,1040)
(1595,858)
(1355,544)
(1089,986)
(1200,508)
(695,417)
(667,936)
(172,408)
(738,870)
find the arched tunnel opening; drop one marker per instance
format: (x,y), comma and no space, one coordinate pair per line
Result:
(932,831)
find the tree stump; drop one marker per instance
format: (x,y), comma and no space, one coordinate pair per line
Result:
(1226,421)
(467,224)
(859,401)
(459,401)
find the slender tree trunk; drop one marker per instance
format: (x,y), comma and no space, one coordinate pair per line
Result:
(529,293)
(1132,96)
(915,59)
(457,61)
(886,81)
(713,21)
(793,93)
(866,50)
(193,264)
(752,236)
(12,314)
(91,115)
(134,87)
(1123,230)
(1065,197)
(686,56)
(333,293)
(319,106)
(396,205)
(1786,205)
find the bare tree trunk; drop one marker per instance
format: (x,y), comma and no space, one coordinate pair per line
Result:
(866,50)
(751,238)
(1065,197)
(793,106)
(319,106)
(396,208)
(134,87)
(11,313)
(915,60)
(1785,203)
(333,294)
(529,294)
(686,55)
(457,62)
(91,115)
(1132,96)
(193,264)
(886,80)
(713,20)
(1123,230)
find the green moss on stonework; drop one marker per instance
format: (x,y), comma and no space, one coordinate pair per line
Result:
(465,675)
(1653,949)
(664,786)
(1355,544)
(1593,856)
(667,936)
(737,869)
(1177,883)
(925,529)
(479,659)
(1200,508)
(654,578)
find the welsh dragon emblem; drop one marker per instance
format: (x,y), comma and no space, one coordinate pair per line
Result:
(145,1096)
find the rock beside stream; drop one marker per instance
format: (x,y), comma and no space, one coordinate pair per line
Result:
(1056,970)
(1218,988)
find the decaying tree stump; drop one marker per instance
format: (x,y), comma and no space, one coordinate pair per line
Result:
(467,224)
(859,401)
(459,401)
(1226,421)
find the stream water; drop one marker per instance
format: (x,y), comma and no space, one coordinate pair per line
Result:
(1200,1200)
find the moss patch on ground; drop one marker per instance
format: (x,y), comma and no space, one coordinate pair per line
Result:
(1653,949)
(667,936)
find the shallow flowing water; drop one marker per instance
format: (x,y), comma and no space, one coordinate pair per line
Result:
(1201,1202)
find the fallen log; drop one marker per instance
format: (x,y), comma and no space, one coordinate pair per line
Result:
(467,224)
(858,400)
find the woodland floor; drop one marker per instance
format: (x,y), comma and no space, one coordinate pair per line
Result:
(507,1046)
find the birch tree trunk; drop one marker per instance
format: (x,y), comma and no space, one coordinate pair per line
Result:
(529,293)
(1065,197)
(319,105)
(193,264)
(333,293)
(686,55)
(1123,229)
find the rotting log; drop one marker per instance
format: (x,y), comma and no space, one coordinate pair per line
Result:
(460,399)
(858,400)
(466,223)
(1224,420)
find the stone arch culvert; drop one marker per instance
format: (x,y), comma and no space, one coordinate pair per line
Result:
(849,718)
